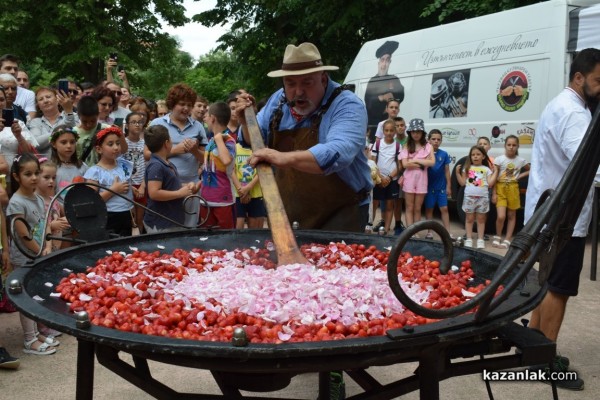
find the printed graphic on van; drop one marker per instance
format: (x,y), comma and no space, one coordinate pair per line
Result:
(450,134)
(514,88)
(449,94)
(382,87)
(526,134)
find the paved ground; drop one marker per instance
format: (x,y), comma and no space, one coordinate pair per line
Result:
(53,377)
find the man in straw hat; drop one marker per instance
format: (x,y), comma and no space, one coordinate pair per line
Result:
(383,87)
(315,132)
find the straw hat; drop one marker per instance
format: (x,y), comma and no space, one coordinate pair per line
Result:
(300,60)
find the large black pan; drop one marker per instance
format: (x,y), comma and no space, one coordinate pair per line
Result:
(299,357)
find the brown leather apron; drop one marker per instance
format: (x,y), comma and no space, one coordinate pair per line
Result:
(314,201)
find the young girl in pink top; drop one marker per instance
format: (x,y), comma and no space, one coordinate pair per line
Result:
(416,156)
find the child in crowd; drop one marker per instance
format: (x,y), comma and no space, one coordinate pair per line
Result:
(438,182)
(165,191)
(46,189)
(64,154)
(249,202)
(400,138)
(484,142)
(6,360)
(114,172)
(88,128)
(506,193)
(391,109)
(134,126)
(218,165)
(477,178)
(416,156)
(26,204)
(385,154)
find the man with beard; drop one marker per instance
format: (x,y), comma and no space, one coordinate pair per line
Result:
(561,128)
(316,134)
(382,87)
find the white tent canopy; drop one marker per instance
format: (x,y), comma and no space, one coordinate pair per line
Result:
(584,28)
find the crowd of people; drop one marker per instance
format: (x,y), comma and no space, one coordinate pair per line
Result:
(160,153)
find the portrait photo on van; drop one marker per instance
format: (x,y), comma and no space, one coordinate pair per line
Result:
(382,87)
(449,94)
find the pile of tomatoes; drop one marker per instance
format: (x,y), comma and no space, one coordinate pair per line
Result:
(125,292)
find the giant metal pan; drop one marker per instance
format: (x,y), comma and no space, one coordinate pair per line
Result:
(257,358)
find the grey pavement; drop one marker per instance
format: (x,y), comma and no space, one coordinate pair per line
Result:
(53,377)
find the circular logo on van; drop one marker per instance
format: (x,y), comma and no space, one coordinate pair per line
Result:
(513,89)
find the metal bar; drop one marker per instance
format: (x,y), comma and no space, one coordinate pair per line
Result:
(324,386)
(595,206)
(431,365)
(364,379)
(85,370)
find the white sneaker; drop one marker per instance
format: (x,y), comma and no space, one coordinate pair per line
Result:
(480,244)
(469,243)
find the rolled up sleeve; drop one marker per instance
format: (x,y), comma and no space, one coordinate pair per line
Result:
(342,135)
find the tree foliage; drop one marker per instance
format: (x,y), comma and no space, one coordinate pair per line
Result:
(216,75)
(74,37)
(447,10)
(263,28)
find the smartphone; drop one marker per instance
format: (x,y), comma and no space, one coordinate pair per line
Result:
(120,68)
(8,115)
(63,85)
(113,56)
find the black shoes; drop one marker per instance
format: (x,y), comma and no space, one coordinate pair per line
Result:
(6,361)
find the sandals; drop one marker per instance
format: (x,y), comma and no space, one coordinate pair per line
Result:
(504,244)
(49,340)
(496,241)
(43,349)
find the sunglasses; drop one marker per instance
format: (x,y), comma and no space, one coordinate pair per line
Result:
(396,100)
(117,93)
(137,123)
(73,91)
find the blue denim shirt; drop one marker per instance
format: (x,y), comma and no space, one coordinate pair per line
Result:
(341,135)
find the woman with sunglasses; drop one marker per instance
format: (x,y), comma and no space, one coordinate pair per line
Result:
(53,109)
(106,100)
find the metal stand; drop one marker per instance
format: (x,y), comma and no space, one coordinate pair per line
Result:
(437,362)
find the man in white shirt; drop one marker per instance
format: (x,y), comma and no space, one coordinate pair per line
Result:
(9,64)
(561,128)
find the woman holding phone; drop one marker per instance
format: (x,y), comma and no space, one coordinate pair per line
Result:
(14,136)
(53,109)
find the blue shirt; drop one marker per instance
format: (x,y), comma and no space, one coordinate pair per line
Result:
(436,175)
(165,172)
(341,135)
(186,164)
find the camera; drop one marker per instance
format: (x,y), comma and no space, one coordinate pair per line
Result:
(63,85)
(113,56)
(8,115)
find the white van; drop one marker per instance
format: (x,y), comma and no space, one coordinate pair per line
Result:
(486,76)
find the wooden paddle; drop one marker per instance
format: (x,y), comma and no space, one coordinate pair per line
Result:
(281,231)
